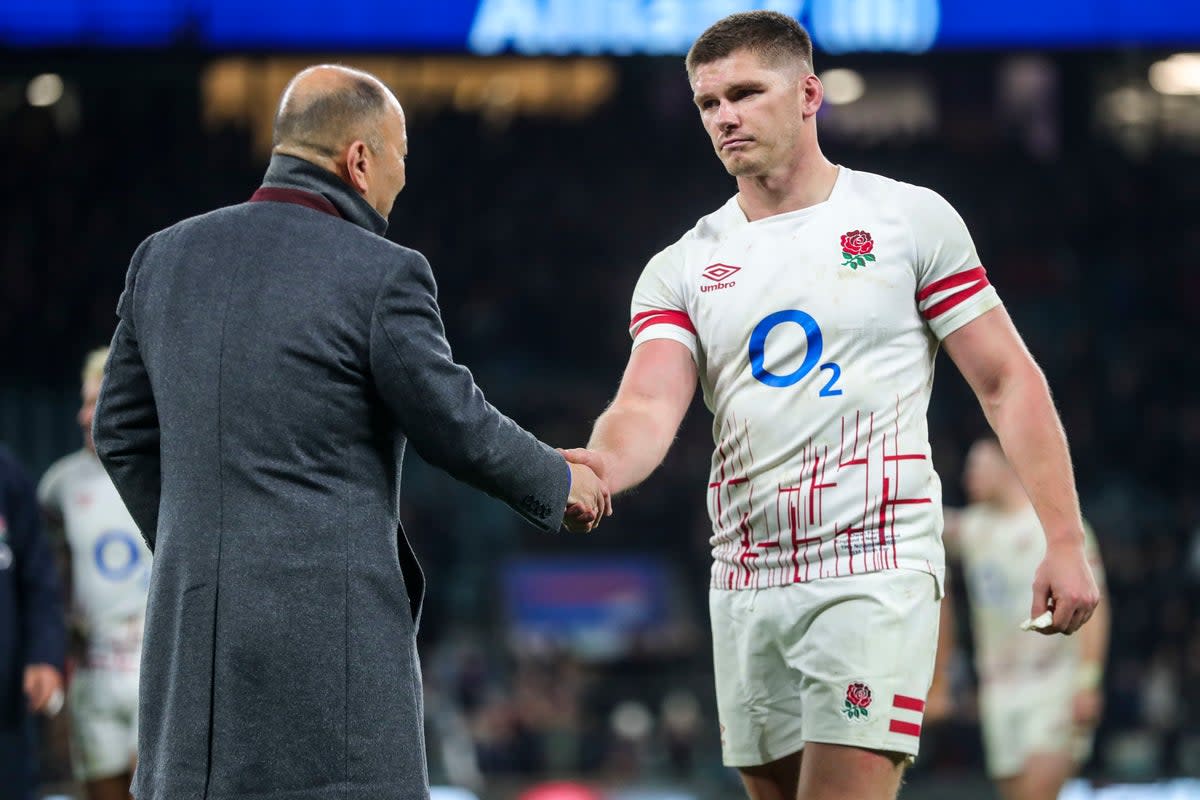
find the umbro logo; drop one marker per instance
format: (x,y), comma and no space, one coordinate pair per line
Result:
(719,274)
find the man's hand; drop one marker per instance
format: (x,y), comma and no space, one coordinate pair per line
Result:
(1064,584)
(41,682)
(589,500)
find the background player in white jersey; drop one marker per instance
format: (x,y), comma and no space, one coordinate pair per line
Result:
(1039,697)
(810,307)
(110,570)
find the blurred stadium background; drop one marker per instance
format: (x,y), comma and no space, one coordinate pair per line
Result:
(554,149)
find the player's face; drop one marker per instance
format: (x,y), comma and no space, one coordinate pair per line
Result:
(752,112)
(390,175)
(87,410)
(984,472)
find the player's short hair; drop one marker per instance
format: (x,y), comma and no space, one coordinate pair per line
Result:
(93,364)
(774,37)
(326,120)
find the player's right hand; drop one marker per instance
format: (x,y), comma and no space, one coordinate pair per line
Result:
(1065,585)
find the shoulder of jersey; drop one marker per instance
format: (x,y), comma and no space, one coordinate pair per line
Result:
(62,470)
(714,225)
(875,188)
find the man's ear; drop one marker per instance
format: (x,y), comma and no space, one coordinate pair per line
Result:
(358,165)
(813,94)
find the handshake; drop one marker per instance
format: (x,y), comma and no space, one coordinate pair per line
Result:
(590,499)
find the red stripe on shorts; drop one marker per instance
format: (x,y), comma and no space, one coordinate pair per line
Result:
(910,728)
(908,703)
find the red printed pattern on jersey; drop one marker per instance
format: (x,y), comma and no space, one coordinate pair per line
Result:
(870,539)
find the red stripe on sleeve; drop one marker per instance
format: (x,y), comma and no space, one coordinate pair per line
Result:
(950,281)
(908,703)
(898,726)
(939,308)
(647,318)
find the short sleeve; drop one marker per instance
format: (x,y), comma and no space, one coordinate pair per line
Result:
(659,307)
(952,285)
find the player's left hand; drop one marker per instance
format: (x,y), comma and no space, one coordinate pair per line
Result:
(1086,707)
(1065,585)
(41,682)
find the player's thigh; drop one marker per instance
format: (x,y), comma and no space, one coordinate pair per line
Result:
(759,704)
(1042,777)
(866,660)
(776,780)
(837,772)
(112,788)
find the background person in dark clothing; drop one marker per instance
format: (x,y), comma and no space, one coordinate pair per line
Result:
(32,632)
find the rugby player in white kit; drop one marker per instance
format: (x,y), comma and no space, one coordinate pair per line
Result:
(110,573)
(810,307)
(1039,698)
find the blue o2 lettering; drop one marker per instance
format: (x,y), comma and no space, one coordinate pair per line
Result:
(116,555)
(816,343)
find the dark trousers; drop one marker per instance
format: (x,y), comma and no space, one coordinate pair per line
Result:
(17,761)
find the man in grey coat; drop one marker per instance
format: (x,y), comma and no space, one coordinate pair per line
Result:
(270,363)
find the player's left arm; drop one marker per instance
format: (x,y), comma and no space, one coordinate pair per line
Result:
(1015,397)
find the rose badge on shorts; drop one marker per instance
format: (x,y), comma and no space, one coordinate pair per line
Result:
(858,700)
(856,249)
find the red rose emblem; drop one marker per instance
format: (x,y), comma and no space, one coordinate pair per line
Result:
(857,243)
(858,695)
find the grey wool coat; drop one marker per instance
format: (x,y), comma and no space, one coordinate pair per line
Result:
(270,363)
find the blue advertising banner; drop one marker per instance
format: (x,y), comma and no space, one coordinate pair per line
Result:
(589,26)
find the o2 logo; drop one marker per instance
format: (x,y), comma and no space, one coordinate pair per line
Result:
(816,343)
(117,555)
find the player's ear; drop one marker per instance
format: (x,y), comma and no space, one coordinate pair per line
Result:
(812,94)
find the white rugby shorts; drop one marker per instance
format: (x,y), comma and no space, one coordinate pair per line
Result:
(103,706)
(1031,715)
(845,660)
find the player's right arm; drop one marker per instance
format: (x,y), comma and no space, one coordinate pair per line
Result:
(632,436)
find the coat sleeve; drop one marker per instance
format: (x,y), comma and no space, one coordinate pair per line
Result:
(125,429)
(43,629)
(442,411)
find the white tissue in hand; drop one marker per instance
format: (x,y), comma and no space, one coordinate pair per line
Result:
(1043,621)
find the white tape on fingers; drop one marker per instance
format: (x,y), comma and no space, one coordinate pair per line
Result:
(55,703)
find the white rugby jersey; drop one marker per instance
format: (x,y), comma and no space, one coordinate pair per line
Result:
(1000,551)
(110,563)
(815,332)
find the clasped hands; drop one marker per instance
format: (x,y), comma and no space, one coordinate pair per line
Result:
(590,499)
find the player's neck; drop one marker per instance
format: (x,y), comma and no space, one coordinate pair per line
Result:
(797,185)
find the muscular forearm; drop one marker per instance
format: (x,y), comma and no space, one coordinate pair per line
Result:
(633,441)
(1022,414)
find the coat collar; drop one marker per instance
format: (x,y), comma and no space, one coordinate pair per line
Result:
(319,189)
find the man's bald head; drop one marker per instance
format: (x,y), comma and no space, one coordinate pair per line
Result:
(326,107)
(346,121)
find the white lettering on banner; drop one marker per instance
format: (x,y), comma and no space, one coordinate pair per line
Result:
(842,26)
(604,26)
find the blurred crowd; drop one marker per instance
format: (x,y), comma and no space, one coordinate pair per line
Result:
(537,230)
